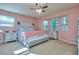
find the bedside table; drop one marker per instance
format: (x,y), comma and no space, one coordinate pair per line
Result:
(1,36)
(10,36)
(53,35)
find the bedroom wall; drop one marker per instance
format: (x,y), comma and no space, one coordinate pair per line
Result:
(17,17)
(71,35)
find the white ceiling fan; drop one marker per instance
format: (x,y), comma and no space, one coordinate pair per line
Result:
(39,8)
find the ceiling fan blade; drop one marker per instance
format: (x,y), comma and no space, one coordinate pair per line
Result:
(43,11)
(36,4)
(44,7)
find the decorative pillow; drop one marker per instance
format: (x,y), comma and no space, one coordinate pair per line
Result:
(26,29)
(33,33)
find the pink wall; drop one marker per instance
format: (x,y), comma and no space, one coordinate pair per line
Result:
(18,17)
(71,35)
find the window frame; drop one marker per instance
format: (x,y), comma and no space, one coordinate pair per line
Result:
(57,25)
(7,24)
(65,24)
(45,29)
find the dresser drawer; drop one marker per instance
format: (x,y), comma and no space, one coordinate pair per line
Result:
(10,36)
(10,39)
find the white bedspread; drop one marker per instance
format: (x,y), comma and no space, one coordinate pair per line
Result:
(37,37)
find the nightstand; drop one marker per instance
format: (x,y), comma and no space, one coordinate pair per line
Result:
(53,35)
(1,36)
(10,36)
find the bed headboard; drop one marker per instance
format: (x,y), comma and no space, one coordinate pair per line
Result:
(26,26)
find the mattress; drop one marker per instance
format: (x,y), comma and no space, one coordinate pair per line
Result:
(37,37)
(33,40)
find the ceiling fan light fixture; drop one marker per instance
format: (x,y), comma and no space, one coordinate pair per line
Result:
(38,10)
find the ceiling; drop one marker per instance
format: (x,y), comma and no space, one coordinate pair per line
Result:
(24,8)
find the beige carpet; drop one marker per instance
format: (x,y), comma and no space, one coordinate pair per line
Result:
(51,47)
(54,47)
(9,48)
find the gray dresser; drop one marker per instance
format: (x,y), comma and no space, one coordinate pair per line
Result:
(10,36)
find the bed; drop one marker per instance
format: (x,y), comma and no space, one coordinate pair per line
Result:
(28,36)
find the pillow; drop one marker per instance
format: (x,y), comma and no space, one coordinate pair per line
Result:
(33,33)
(26,29)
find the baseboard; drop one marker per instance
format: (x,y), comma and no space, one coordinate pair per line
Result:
(53,39)
(10,41)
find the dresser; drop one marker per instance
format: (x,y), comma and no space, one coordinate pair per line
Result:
(10,36)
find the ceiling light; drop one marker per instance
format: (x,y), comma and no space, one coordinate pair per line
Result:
(38,10)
